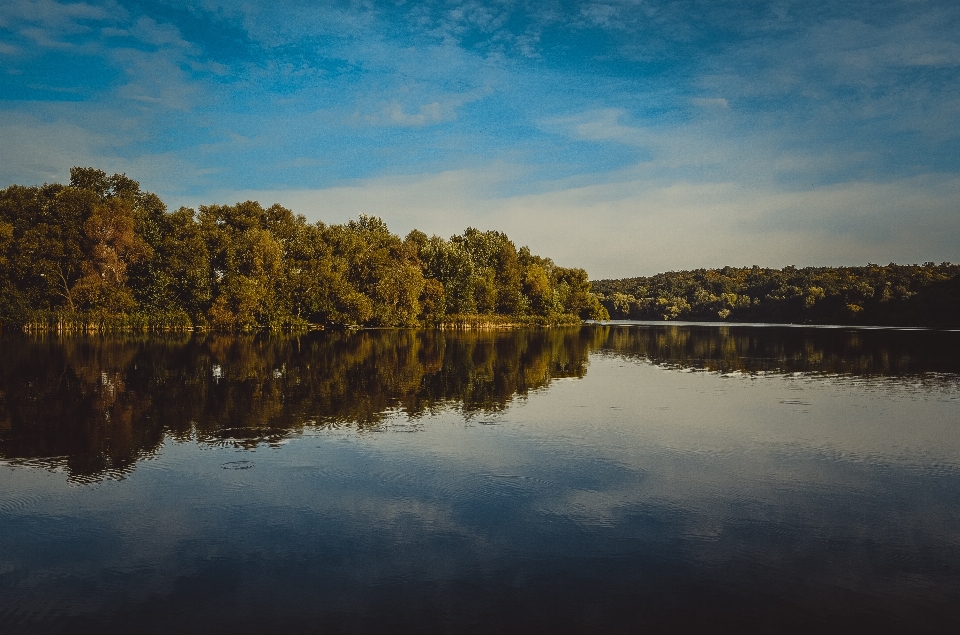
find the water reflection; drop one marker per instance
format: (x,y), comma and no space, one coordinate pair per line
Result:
(97,405)
(803,485)
(861,352)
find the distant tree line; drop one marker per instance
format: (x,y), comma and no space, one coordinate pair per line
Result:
(907,295)
(101,254)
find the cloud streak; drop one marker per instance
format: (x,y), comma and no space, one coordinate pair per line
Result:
(624,136)
(659,226)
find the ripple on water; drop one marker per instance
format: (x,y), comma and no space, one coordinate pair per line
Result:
(498,486)
(18,503)
(237,465)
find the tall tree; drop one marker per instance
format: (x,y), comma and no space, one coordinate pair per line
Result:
(110,247)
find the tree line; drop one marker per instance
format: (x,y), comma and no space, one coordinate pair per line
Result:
(102,254)
(898,295)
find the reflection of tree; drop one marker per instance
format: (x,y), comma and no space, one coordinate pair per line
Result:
(786,349)
(76,401)
(97,405)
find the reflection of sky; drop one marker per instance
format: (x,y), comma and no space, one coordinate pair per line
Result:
(677,491)
(782,132)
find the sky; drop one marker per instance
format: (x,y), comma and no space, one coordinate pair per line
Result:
(624,136)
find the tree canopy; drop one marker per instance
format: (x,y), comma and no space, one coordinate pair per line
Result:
(904,295)
(101,253)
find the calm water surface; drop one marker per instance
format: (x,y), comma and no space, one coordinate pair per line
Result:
(628,478)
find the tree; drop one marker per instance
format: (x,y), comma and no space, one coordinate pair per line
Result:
(450,264)
(184,265)
(536,286)
(101,247)
(110,247)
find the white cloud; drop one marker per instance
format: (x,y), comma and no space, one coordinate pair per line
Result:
(399,112)
(41,37)
(600,125)
(602,14)
(807,167)
(43,151)
(56,18)
(156,79)
(393,113)
(161,35)
(642,225)
(444,203)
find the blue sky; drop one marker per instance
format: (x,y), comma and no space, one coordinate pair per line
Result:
(624,136)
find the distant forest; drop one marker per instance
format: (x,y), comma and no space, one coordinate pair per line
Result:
(101,254)
(894,295)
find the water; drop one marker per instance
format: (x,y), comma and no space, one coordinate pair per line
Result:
(629,478)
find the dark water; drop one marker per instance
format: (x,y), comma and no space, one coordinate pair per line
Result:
(600,479)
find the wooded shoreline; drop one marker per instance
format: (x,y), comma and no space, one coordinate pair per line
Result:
(457,323)
(872,295)
(102,255)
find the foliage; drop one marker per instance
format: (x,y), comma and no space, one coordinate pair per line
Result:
(101,254)
(906,295)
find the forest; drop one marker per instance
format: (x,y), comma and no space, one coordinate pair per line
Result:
(101,254)
(892,295)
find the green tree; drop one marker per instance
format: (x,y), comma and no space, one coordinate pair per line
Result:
(184,270)
(450,263)
(102,247)
(111,246)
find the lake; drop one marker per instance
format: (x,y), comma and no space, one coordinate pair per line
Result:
(605,478)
